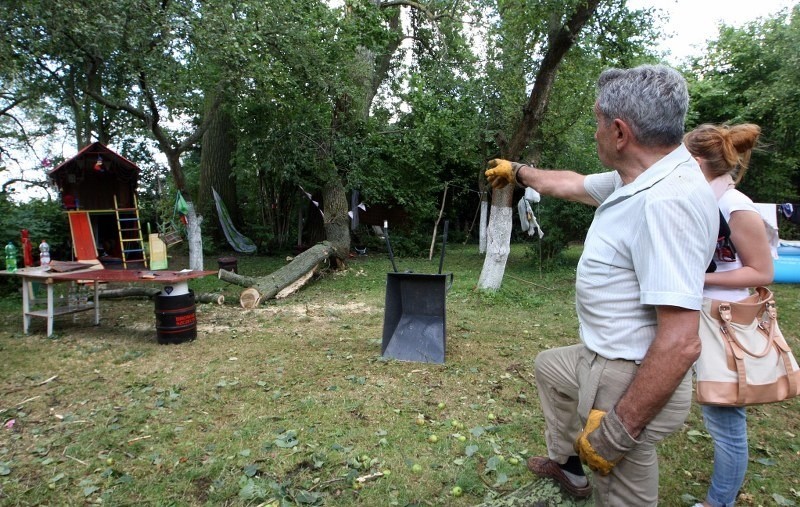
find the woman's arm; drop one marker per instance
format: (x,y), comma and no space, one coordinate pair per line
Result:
(750,239)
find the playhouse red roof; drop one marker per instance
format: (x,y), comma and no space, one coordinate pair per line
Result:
(93,151)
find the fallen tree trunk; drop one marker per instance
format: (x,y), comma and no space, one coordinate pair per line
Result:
(128,292)
(270,285)
(145,292)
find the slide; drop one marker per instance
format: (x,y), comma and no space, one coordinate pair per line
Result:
(82,237)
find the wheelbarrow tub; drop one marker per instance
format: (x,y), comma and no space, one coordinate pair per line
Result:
(414,320)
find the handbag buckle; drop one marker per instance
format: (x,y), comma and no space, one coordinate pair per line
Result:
(725,311)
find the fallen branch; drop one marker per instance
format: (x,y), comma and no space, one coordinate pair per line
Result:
(145,292)
(369,477)
(73,458)
(325,483)
(47,381)
(35,385)
(145,437)
(528,282)
(515,368)
(26,401)
(128,292)
(17,405)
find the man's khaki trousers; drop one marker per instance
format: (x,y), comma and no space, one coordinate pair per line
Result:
(572,381)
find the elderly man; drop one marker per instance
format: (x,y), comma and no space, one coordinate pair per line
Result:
(610,399)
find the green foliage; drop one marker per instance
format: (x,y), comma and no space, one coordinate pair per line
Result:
(752,74)
(563,222)
(44,220)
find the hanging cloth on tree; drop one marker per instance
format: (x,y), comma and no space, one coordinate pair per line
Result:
(181,208)
(526,217)
(237,240)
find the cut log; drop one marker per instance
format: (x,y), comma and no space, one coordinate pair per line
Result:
(249,298)
(210,297)
(270,285)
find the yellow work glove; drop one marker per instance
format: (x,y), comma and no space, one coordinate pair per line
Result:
(604,441)
(502,172)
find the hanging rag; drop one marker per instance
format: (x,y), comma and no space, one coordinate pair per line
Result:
(526,217)
(181,208)
(237,240)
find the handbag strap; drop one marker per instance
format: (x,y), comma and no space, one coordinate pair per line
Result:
(782,346)
(727,330)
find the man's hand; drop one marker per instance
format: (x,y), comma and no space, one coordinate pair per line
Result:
(604,441)
(502,172)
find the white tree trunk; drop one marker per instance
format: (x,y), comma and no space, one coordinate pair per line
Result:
(195,238)
(499,244)
(484,218)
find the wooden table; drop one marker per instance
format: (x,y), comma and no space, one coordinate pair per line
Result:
(94,273)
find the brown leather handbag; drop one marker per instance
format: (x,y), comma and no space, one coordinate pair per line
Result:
(745,359)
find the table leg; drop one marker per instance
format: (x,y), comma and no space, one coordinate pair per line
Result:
(96,305)
(26,305)
(50,317)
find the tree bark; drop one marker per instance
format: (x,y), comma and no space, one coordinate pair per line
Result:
(270,285)
(216,170)
(337,221)
(195,238)
(498,245)
(484,215)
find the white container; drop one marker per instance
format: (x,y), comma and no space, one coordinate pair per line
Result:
(176,289)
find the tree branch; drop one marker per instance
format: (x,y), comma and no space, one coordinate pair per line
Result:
(429,13)
(41,184)
(560,41)
(14,103)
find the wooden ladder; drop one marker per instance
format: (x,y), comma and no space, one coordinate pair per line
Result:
(130,234)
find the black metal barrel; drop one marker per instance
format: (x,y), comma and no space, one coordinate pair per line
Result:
(176,321)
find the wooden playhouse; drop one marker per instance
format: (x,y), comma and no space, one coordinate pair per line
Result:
(98,192)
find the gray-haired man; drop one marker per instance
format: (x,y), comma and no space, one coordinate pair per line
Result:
(610,399)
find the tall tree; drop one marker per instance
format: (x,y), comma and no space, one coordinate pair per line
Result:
(558,35)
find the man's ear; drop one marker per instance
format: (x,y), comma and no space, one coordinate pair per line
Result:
(623,133)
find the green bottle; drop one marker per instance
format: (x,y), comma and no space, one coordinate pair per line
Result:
(11,257)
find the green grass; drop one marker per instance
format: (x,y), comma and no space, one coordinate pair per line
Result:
(292,402)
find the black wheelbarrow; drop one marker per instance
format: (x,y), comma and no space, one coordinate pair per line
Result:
(414,318)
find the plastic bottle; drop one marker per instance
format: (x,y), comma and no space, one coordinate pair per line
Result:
(44,253)
(27,249)
(11,257)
